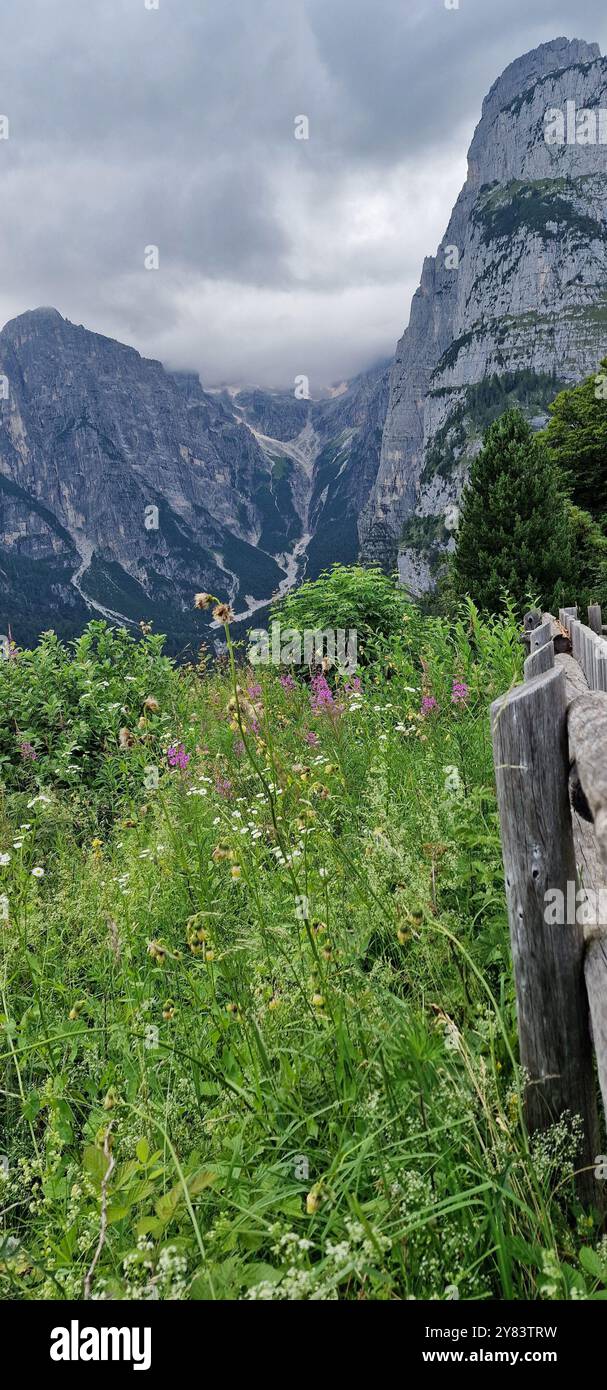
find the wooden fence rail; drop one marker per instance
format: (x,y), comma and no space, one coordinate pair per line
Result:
(550,755)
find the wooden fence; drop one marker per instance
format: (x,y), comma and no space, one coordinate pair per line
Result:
(550,754)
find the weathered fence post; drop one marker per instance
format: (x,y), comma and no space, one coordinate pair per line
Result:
(540,636)
(595,618)
(575,629)
(539,661)
(567,616)
(596,982)
(529,727)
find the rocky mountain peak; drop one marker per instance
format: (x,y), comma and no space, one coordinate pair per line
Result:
(513,305)
(538,62)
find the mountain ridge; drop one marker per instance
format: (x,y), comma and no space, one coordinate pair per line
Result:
(125,487)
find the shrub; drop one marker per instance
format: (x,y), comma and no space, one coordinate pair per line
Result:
(350,597)
(62,707)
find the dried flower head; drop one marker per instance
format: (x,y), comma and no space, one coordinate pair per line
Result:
(203,600)
(151,704)
(125,738)
(223,613)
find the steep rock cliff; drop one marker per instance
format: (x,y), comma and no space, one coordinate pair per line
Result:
(513,305)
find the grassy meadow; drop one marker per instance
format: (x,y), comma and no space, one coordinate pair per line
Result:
(257,1017)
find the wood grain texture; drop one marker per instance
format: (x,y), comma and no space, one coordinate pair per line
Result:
(575,680)
(595,970)
(587,720)
(529,727)
(532,619)
(541,635)
(595,618)
(566,615)
(539,661)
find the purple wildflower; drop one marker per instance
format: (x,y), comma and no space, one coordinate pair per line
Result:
(28,752)
(223,787)
(254,691)
(354,686)
(429,704)
(177,756)
(287,682)
(312,739)
(321,697)
(459,692)
(239,747)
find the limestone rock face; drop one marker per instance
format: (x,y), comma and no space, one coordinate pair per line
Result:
(512,307)
(125,489)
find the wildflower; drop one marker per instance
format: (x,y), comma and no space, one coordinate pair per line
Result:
(459,692)
(223,613)
(223,787)
(429,704)
(239,747)
(314,1199)
(28,752)
(203,600)
(236,872)
(353,686)
(168,1010)
(254,691)
(177,756)
(321,697)
(318,1001)
(146,628)
(287,682)
(151,704)
(76,1010)
(312,738)
(221,852)
(4,860)
(37,872)
(453,781)
(157,951)
(125,738)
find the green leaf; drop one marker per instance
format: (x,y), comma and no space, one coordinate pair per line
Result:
(95,1163)
(142,1150)
(593,1264)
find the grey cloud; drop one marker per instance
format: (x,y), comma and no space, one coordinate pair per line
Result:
(175,127)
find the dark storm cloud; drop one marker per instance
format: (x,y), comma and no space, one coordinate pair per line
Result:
(175,127)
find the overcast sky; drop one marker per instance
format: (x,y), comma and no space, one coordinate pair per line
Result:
(174,127)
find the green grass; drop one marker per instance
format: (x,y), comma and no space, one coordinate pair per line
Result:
(264,1011)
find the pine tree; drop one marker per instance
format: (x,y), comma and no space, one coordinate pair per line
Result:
(576,438)
(515,533)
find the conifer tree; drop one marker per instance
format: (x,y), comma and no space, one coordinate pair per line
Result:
(576,438)
(515,533)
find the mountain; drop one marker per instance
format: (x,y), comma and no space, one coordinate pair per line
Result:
(125,488)
(512,307)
